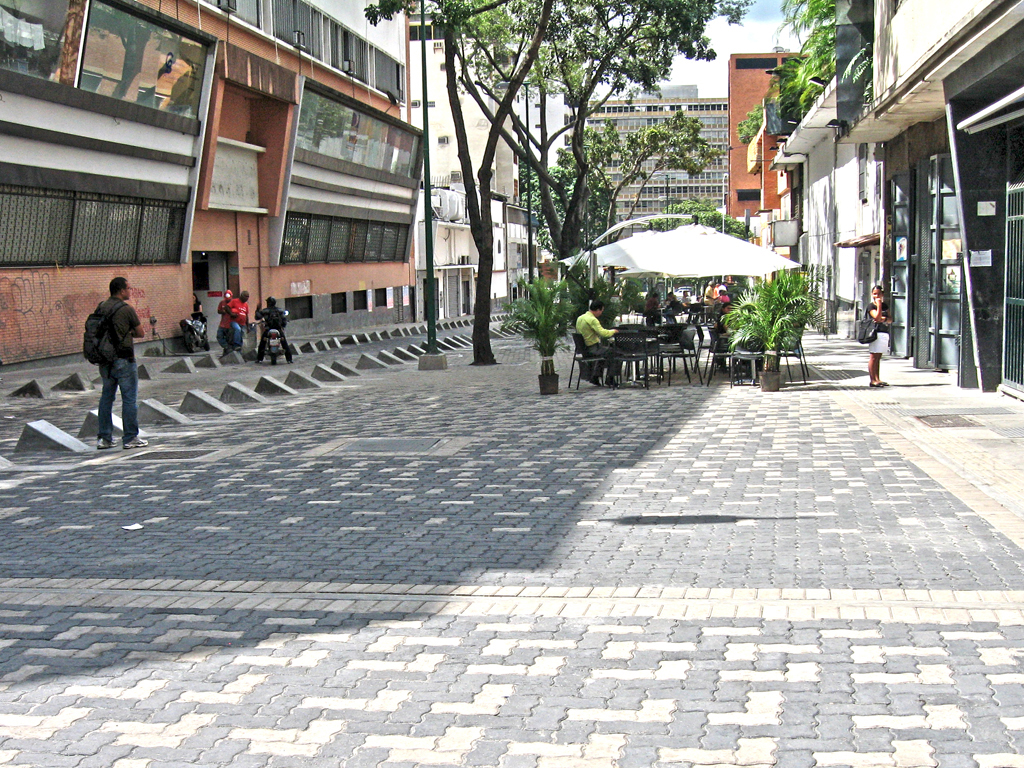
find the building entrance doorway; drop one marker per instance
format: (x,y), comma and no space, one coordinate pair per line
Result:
(210,278)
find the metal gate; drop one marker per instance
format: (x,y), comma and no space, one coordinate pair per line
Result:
(938,268)
(1013,319)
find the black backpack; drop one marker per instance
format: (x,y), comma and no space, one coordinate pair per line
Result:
(99,346)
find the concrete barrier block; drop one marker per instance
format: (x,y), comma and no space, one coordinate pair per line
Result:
(369,362)
(155,412)
(323,373)
(236,394)
(445,344)
(91,425)
(76,382)
(433,363)
(350,339)
(232,358)
(185,365)
(344,370)
(401,354)
(32,389)
(144,373)
(417,349)
(273,388)
(388,359)
(207,361)
(38,436)
(299,380)
(197,401)
(308,347)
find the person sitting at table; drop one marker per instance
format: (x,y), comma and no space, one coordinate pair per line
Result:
(652,309)
(595,337)
(722,305)
(673,308)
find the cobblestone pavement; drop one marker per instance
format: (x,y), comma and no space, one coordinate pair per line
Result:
(447,569)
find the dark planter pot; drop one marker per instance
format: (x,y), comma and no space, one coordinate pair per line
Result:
(548,383)
(771,381)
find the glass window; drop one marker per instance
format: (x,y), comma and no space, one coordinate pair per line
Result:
(33,34)
(132,59)
(331,128)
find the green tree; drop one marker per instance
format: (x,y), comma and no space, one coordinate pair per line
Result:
(707,214)
(674,145)
(814,22)
(748,128)
(575,50)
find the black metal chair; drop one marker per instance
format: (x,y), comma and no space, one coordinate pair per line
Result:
(719,353)
(797,351)
(579,358)
(631,351)
(679,344)
(743,357)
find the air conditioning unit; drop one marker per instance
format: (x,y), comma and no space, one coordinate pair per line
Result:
(442,141)
(438,45)
(456,176)
(228,6)
(346,66)
(299,39)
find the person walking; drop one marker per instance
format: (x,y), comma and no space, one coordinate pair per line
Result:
(878,311)
(122,374)
(239,309)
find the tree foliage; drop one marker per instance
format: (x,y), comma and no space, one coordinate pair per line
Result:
(707,214)
(814,22)
(673,145)
(748,128)
(581,51)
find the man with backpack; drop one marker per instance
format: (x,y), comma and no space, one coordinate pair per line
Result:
(119,371)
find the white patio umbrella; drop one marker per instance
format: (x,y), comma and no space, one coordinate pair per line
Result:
(690,251)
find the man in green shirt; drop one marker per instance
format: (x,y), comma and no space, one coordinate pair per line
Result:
(595,337)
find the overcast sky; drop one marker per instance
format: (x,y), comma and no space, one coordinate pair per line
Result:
(759,33)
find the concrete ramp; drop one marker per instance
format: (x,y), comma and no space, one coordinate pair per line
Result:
(206,361)
(299,380)
(76,382)
(344,370)
(155,412)
(33,389)
(197,401)
(40,436)
(328,375)
(273,388)
(369,362)
(238,394)
(185,365)
(91,425)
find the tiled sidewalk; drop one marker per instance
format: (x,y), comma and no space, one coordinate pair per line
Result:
(687,576)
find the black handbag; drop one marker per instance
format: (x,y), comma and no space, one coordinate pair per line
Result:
(867,330)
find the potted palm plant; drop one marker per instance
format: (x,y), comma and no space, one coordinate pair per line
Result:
(542,315)
(770,318)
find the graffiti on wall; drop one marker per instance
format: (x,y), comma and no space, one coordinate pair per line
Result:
(39,318)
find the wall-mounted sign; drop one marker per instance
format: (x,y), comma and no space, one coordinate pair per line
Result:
(300,288)
(235,182)
(986,208)
(981,258)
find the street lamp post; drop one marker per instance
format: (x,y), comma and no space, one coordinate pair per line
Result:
(433,360)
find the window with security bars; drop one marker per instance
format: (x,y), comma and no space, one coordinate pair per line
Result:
(49,226)
(314,239)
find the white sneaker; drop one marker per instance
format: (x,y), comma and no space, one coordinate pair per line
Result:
(102,444)
(136,442)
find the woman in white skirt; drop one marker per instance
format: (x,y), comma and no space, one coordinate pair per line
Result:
(878,311)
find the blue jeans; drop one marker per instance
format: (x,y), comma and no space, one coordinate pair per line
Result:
(123,375)
(224,339)
(236,335)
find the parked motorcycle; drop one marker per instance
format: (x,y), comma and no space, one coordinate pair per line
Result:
(274,347)
(194,335)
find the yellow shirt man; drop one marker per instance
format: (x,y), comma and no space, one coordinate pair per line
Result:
(589,325)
